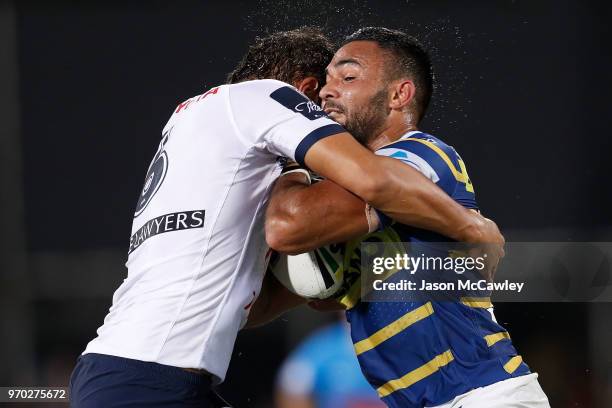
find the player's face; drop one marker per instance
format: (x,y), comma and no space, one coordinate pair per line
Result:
(355,94)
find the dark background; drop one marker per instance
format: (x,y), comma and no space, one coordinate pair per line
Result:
(522,94)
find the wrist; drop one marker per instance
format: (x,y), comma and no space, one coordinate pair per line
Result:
(301,175)
(291,169)
(372,218)
(473,231)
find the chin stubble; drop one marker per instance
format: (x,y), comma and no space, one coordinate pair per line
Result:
(365,123)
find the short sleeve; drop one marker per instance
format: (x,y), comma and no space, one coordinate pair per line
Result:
(438,162)
(275,117)
(423,159)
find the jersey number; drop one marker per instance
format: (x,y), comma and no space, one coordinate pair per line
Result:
(155,176)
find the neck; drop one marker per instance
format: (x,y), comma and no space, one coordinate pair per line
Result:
(390,134)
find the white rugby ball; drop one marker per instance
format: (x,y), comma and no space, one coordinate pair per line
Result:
(314,275)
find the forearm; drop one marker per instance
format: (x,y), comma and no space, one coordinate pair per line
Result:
(273,300)
(410,198)
(394,188)
(301,217)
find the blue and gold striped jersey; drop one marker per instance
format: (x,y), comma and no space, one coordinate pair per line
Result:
(425,353)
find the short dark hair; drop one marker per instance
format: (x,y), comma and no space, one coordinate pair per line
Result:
(410,60)
(287,56)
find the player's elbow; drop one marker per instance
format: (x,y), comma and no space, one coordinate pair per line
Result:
(373,185)
(276,232)
(282,234)
(373,191)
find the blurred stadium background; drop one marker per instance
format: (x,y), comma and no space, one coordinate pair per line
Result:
(523,93)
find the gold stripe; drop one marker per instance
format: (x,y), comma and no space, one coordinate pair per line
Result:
(458,175)
(394,328)
(417,374)
(351,298)
(481,302)
(513,364)
(468,183)
(491,339)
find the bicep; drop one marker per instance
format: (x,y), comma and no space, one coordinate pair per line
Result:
(343,160)
(306,218)
(343,211)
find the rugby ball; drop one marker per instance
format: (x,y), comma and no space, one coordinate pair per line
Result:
(314,275)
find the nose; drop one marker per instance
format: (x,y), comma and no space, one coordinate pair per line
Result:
(329,91)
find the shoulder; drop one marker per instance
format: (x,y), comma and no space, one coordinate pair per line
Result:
(419,142)
(423,147)
(270,93)
(259,85)
(434,158)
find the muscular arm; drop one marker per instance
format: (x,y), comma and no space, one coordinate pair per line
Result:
(301,218)
(273,300)
(393,188)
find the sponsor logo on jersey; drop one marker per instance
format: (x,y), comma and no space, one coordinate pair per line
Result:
(292,99)
(177,221)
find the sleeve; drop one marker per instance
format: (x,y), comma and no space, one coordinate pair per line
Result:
(273,116)
(425,160)
(438,162)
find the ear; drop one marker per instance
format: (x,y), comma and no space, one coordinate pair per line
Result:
(402,94)
(310,87)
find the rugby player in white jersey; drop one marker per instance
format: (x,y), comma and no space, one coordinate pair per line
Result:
(196,256)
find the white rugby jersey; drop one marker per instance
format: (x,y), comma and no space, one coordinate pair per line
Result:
(197,251)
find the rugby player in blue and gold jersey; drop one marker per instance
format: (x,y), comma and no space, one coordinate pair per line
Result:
(414,353)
